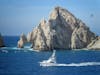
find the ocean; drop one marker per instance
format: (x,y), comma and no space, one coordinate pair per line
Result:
(25,61)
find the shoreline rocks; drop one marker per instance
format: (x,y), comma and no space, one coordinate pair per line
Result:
(22,41)
(95,44)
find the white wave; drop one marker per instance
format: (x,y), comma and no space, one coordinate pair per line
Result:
(73,64)
(26,47)
(16,48)
(3,47)
(31,49)
(5,51)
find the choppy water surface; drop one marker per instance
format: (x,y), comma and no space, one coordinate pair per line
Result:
(15,61)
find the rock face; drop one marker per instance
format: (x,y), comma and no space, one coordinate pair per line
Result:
(40,37)
(81,36)
(22,41)
(95,44)
(62,31)
(1,41)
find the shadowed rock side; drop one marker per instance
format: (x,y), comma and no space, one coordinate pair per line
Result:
(62,31)
(1,41)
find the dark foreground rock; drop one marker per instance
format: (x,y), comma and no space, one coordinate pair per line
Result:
(1,41)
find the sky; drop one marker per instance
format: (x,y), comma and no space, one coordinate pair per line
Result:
(20,16)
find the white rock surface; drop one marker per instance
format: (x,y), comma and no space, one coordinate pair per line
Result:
(95,44)
(22,41)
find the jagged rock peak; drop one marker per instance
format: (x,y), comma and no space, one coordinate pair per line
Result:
(63,17)
(59,10)
(43,22)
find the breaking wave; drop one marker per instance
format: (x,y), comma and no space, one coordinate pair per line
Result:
(26,48)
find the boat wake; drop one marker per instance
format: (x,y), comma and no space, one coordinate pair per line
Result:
(52,62)
(74,64)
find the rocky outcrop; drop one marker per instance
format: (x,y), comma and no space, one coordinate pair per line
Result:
(95,44)
(62,31)
(22,41)
(40,36)
(81,36)
(1,41)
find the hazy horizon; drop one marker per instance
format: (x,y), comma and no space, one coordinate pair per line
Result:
(20,16)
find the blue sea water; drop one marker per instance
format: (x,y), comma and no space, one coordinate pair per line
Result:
(14,61)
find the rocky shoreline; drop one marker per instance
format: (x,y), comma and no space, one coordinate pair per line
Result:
(62,31)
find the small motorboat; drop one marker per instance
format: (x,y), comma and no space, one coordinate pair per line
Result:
(51,61)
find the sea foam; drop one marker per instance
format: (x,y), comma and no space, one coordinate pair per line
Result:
(75,64)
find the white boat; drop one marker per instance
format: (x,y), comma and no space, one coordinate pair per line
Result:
(51,61)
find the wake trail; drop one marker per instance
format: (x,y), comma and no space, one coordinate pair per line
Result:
(75,64)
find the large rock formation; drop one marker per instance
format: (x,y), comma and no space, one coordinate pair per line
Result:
(62,31)
(1,41)
(22,41)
